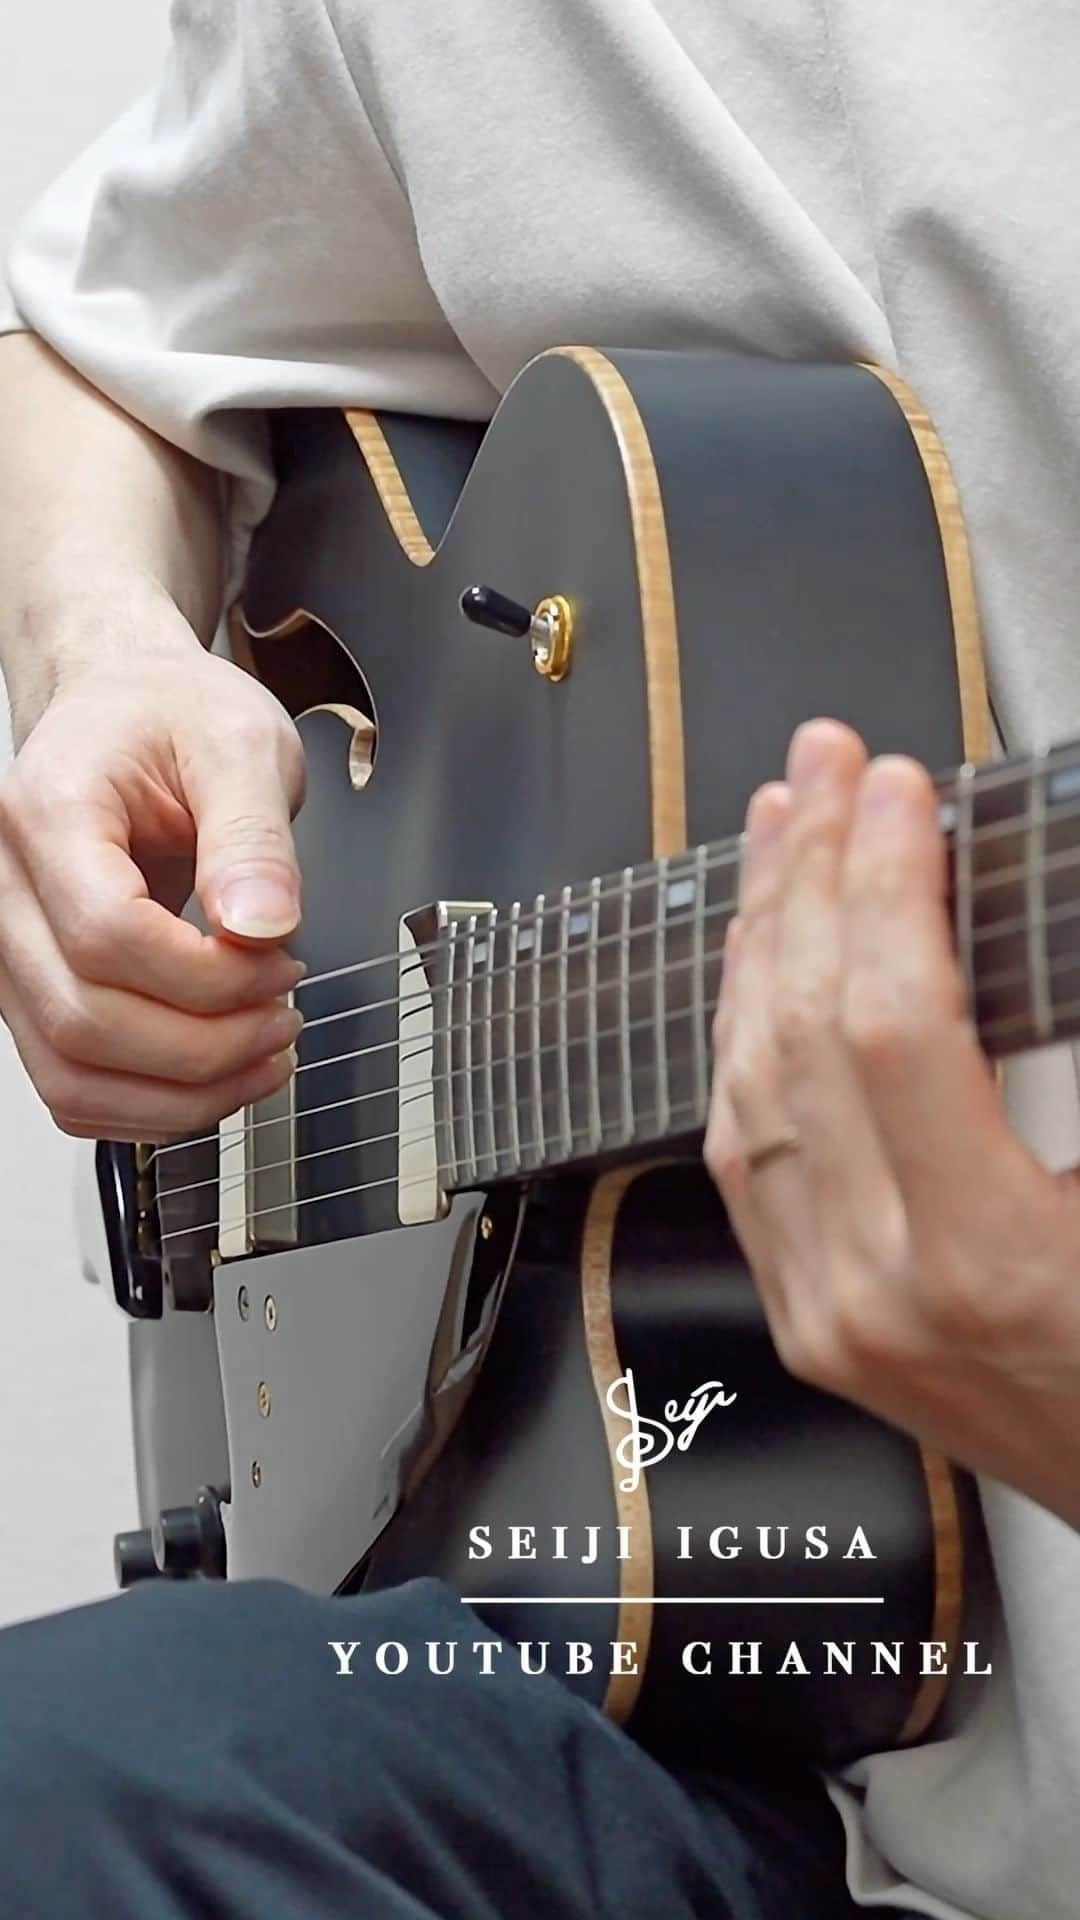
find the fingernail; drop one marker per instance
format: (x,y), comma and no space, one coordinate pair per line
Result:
(766,815)
(279,1069)
(808,755)
(888,783)
(282,1028)
(258,907)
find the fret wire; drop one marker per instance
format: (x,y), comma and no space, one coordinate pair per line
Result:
(1015,823)
(624,1009)
(456,1120)
(511,1028)
(697,986)
(537,1086)
(1060,862)
(596,1119)
(660,990)
(992,1030)
(566,1126)
(470,1106)
(1017,923)
(442,1050)
(488,1070)
(1018,976)
(1042,1018)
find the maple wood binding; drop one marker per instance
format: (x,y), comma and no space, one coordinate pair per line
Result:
(667,772)
(659,628)
(390,486)
(975,721)
(362,731)
(970,661)
(637,1573)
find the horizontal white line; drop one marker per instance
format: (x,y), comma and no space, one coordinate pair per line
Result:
(673,1600)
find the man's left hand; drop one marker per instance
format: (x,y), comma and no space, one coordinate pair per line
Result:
(911,1252)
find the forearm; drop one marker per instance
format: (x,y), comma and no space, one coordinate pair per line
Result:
(110,539)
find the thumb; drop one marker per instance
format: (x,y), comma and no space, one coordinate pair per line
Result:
(246,873)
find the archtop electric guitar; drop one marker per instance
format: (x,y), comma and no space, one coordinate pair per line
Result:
(477,1308)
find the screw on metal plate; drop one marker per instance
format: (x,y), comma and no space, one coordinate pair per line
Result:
(264,1399)
(270,1312)
(256,1474)
(243,1303)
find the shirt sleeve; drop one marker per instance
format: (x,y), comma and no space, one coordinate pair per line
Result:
(239,241)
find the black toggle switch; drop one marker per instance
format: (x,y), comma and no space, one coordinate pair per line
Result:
(486,608)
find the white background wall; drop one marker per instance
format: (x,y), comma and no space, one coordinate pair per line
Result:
(66,1480)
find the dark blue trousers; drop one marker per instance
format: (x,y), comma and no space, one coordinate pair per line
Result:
(193,1750)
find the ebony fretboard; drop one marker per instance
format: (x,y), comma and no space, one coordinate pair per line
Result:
(569,1028)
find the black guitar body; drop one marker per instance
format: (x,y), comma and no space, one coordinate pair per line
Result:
(806,562)
(531,1452)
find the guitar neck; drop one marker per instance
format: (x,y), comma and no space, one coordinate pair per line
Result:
(579,1026)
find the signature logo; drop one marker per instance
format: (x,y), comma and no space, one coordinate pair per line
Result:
(649,1441)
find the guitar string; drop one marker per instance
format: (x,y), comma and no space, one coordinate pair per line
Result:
(613,886)
(486,1068)
(724,854)
(638,1137)
(369,1186)
(479,1022)
(998,929)
(490,926)
(482,1114)
(477,982)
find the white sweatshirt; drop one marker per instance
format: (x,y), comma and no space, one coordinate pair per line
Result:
(383,203)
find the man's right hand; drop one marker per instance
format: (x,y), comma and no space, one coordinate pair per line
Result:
(143,775)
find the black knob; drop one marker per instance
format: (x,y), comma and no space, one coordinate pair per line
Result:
(177,1538)
(191,1540)
(486,608)
(133,1558)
